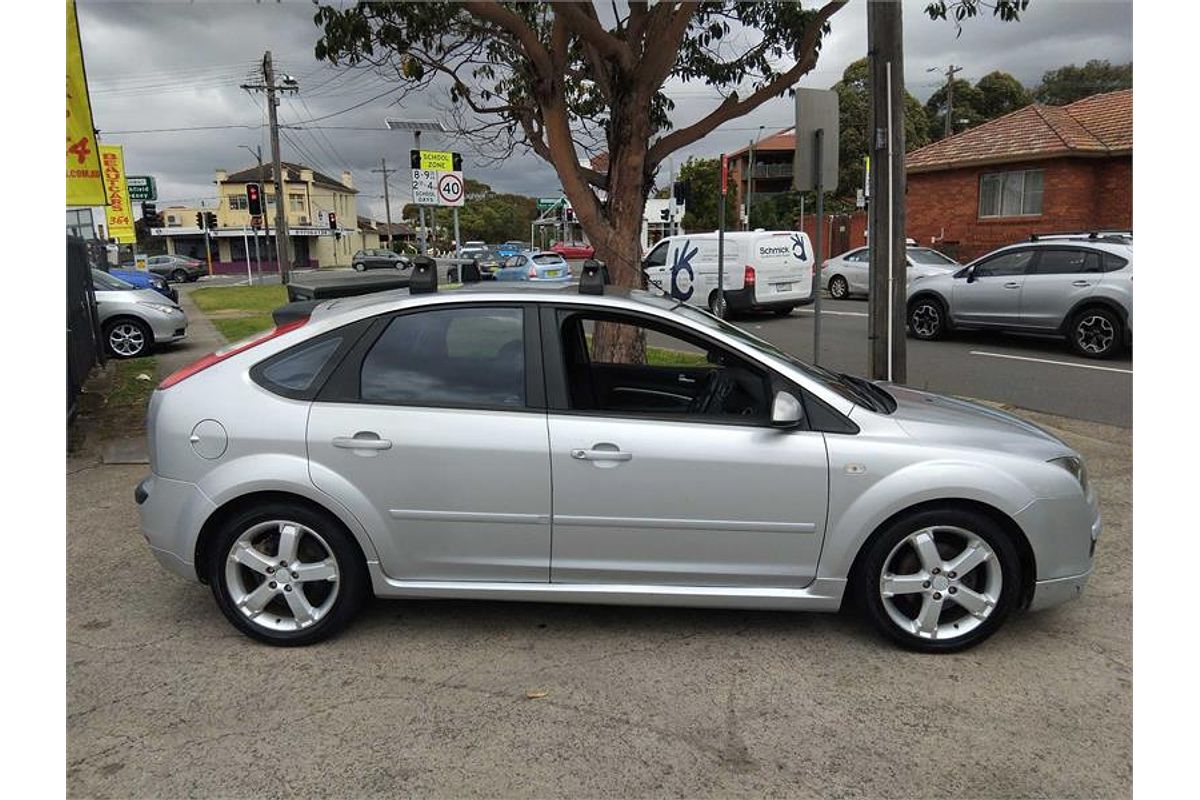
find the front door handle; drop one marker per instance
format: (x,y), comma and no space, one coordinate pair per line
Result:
(686,379)
(1012,285)
(600,455)
(1081,283)
(363,440)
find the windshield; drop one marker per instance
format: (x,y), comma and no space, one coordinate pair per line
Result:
(923,255)
(105,282)
(843,385)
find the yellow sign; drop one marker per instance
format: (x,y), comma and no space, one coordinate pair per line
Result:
(435,159)
(84,184)
(118,212)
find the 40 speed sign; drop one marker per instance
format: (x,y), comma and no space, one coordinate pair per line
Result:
(431,187)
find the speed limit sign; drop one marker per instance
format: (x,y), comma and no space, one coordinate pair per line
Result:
(450,189)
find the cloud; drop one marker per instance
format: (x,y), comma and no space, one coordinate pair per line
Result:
(157,65)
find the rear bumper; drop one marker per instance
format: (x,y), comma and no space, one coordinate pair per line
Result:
(172,513)
(745,300)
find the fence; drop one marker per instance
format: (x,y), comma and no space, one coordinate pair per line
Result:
(83,328)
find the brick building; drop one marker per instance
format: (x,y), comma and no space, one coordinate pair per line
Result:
(1040,169)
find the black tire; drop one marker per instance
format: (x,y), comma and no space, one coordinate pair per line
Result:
(193,278)
(783,312)
(927,318)
(352,584)
(839,289)
(1096,333)
(359,266)
(867,580)
(179,276)
(127,338)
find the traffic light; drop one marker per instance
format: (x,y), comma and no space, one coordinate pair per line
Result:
(332,221)
(256,222)
(665,214)
(210,220)
(150,216)
(570,215)
(254,199)
(681,190)
(200,220)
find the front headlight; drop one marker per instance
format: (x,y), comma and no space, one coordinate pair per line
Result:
(1076,467)
(161,308)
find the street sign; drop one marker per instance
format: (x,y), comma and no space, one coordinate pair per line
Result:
(438,160)
(431,187)
(545,203)
(816,110)
(141,187)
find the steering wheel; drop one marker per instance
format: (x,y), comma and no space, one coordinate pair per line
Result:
(713,394)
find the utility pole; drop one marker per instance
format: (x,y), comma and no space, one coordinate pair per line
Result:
(951,71)
(387,203)
(283,247)
(750,187)
(886,220)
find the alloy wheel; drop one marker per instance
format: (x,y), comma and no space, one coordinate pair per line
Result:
(282,576)
(926,320)
(127,339)
(838,288)
(1095,334)
(940,582)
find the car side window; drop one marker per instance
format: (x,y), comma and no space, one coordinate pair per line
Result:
(627,366)
(1011,263)
(1066,261)
(461,357)
(658,256)
(1112,262)
(859,256)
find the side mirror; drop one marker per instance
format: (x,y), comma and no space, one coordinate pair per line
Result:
(786,411)
(970,274)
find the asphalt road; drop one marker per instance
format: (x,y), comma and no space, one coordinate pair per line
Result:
(1035,373)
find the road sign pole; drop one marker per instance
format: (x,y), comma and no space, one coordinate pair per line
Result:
(246,250)
(457,243)
(818,143)
(720,304)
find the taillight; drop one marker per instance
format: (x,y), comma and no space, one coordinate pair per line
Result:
(532,273)
(750,276)
(228,352)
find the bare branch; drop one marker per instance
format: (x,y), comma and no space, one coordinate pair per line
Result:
(493,12)
(589,29)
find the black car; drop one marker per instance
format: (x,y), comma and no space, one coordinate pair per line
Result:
(379,259)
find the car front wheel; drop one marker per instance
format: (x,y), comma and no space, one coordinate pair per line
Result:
(128,338)
(927,318)
(939,580)
(286,574)
(1095,333)
(179,276)
(359,266)
(838,288)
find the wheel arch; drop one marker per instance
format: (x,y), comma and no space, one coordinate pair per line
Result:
(930,294)
(1094,302)
(1009,525)
(235,505)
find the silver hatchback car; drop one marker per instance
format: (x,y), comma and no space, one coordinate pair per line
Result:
(1079,287)
(133,320)
(547,444)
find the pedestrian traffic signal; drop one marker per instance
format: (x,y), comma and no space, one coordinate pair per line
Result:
(254,199)
(210,219)
(332,221)
(256,222)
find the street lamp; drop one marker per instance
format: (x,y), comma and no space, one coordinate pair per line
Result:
(416,126)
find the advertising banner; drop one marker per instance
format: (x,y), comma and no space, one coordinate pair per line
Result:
(118,212)
(84,184)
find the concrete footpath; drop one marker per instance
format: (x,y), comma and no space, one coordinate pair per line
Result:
(458,699)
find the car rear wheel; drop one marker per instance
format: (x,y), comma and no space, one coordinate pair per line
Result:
(838,288)
(927,318)
(783,312)
(718,306)
(286,574)
(939,580)
(179,276)
(359,266)
(1095,333)
(128,338)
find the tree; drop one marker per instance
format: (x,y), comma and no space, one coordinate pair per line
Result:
(1000,94)
(854,113)
(703,176)
(967,100)
(1070,83)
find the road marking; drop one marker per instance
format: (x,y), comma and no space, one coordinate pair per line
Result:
(825,311)
(1050,361)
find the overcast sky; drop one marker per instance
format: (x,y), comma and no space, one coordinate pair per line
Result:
(154,65)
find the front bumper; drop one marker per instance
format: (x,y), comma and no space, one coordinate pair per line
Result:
(1063,533)
(1047,594)
(168,327)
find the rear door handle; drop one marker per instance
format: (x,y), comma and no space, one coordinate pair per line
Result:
(1081,283)
(1012,285)
(685,379)
(363,440)
(600,455)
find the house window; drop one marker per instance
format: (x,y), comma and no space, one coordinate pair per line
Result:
(238,202)
(173,221)
(295,202)
(1011,194)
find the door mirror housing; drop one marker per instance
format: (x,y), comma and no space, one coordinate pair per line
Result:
(786,411)
(970,273)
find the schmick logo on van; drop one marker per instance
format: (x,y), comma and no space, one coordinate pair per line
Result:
(683,277)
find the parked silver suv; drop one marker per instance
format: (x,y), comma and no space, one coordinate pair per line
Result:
(1080,287)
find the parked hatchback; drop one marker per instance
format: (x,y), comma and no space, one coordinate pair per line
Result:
(176,268)
(1079,288)
(849,274)
(497,443)
(132,320)
(379,259)
(536,267)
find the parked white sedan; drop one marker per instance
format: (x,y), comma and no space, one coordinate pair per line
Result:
(849,274)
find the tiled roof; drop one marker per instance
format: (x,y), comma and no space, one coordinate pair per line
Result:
(1095,126)
(784,140)
(291,172)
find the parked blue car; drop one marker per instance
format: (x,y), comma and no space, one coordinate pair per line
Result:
(145,280)
(510,249)
(549,267)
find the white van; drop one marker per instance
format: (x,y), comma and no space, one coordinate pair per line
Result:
(764,270)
